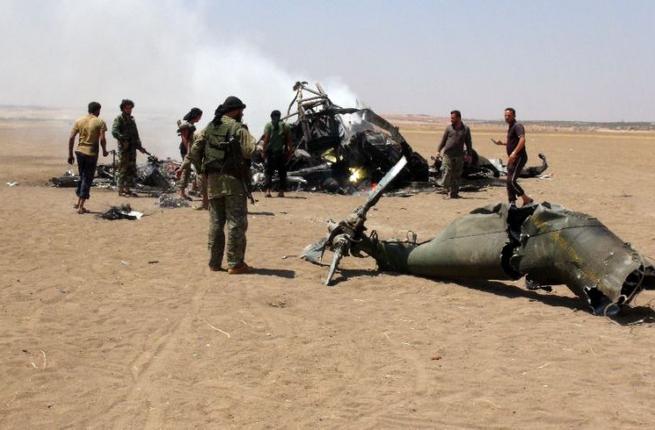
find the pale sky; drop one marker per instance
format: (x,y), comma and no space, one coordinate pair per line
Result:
(551,60)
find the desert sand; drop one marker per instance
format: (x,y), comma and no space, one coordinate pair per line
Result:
(121,324)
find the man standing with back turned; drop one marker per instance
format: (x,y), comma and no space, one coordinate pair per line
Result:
(92,131)
(277,143)
(221,150)
(518,157)
(456,138)
(125,131)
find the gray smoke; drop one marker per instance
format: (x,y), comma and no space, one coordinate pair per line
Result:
(160,54)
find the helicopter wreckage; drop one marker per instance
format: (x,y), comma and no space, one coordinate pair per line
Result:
(346,150)
(545,243)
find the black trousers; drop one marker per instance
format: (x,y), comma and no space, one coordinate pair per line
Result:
(514,190)
(276,161)
(87,168)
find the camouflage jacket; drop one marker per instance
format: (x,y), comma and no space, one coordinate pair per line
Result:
(219,185)
(124,130)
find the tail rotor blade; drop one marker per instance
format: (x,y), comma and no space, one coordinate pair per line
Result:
(338,253)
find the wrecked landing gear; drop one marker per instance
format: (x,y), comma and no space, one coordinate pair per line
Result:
(546,243)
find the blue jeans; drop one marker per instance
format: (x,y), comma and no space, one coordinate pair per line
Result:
(86,165)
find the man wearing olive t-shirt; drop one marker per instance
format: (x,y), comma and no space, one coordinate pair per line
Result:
(518,157)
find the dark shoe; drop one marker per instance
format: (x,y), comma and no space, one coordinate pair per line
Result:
(216,268)
(239,269)
(454,196)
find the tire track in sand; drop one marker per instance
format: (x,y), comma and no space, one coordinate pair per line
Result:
(148,363)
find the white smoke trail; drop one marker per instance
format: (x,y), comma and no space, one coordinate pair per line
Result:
(163,55)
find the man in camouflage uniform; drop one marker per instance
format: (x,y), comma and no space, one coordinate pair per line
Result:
(277,144)
(220,150)
(125,132)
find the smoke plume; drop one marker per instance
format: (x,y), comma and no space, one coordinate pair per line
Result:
(164,55)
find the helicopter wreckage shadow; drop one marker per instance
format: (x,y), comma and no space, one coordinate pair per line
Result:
(628,316)
(637,315)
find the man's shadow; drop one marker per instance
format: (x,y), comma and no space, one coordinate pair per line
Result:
(261,213)
(280,273)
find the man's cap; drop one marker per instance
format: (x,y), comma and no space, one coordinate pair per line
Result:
(232,103)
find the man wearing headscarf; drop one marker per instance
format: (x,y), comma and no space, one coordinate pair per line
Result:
(221,150)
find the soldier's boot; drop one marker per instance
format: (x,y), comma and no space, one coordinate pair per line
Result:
(239,269)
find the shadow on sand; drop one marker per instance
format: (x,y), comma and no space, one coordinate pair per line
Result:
(281,273)
(637,315)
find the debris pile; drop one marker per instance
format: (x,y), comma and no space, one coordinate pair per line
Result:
(153,177)
(340,150)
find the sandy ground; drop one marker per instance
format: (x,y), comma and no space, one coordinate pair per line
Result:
(121,324)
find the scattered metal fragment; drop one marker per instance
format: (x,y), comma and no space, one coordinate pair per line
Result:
(121,212)
(173,201)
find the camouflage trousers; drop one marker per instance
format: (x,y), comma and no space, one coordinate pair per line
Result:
(127,167)
(232,210)
(453,168)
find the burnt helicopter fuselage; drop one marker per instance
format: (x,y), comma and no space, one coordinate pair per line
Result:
(342,149)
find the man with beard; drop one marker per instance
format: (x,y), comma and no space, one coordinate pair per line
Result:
(518,157)
(456,143)
(92,134)
(220,151)
(125,132)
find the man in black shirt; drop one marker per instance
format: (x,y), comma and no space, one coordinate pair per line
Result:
(518,157)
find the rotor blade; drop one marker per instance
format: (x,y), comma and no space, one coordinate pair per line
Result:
(338,253)
(314,252)
(384,182)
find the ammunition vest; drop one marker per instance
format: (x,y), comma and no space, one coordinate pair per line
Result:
(127,127)
(222,149)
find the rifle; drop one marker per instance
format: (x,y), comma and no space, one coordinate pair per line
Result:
(242,167)
(113,167)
